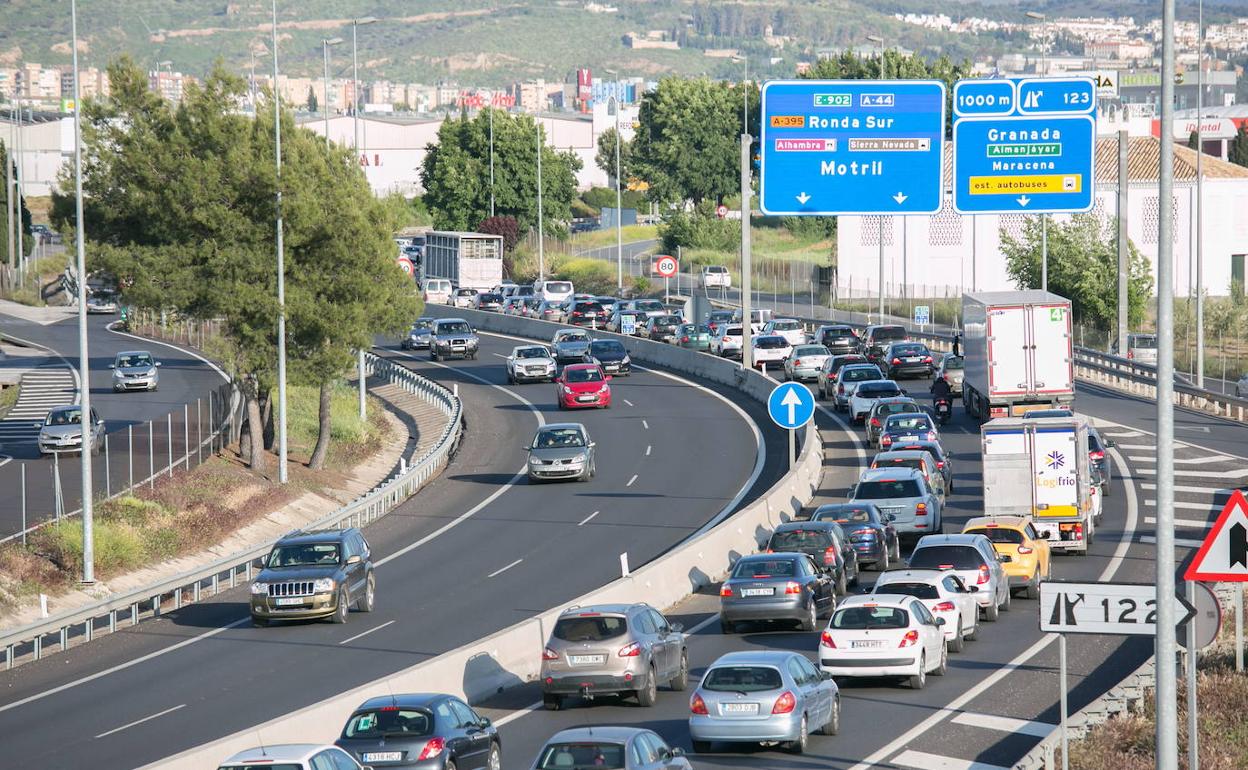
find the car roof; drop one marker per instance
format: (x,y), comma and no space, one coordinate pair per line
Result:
(885,474)
(796,526)
(933,575)
(1013,522)
(907,416)
(882,381)
(579,367)
(753,657)
(452,320)
(895,400)
(403,700)
(850,505)
(554,425)
(617,608)
(64,408)
(121,353)
(899,600)
(923,443)
(903,454)
(596,733)
(766,556)
(959,539)
(296,752)
(314,536)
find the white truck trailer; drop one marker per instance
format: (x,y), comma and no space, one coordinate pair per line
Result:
(1017,348)
(467,260)
(1040,467)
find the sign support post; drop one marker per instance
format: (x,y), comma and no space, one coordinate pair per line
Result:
(791,405)
(792,448)
(1193,743)
(1061,665)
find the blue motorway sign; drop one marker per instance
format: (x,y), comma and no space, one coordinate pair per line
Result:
(922,315)
(1040,158)
(790,405)
(852,147)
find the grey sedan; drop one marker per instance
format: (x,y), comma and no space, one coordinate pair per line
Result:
(561,451)
(625,748)
(776,586)
(765,696)
(805,362)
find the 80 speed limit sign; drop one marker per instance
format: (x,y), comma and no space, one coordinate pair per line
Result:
(665,266)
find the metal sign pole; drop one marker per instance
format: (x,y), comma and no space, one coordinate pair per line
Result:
(1239,628)
(1061,665)
(747,334)
(1193,742)
(792,448)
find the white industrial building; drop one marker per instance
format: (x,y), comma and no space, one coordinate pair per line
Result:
(943,254)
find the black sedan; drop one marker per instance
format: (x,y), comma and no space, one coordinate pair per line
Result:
(823,541)
(425,731)
(838,338)
(871,533)
(610,355)
(903,359)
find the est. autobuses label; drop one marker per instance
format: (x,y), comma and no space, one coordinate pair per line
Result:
(788,121)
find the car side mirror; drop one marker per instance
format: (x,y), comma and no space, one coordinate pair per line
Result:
(1110,443)
(593,444)
(677,627)
(940,621)
(892,517)
(158,363)
(258,562)
(973,589)
(1044,534)
(825,675)
(1001,557)
(485,722)
(353,559)
(608,376)
(112,366)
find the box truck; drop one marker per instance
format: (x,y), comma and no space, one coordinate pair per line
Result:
(1017,351)
(1040,467)
(467,260)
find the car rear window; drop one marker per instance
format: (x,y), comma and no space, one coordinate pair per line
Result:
(574,756)
(742,679)
(887,490)
(858,375)
(589,307)
(909,350)
(956,362)
(769,343)
(785,326)
(648,305)
(389,721)
(716,269)
(862,617)
(800,540)
(880,390)
(1144,341)
(909,421)
(898,407)
(886,333)
(491,297)
(845,515)
(810,350)
(917,590)
(765,568)
(590,628)
(946,557)
(898,462)
(998,534)
(558,287)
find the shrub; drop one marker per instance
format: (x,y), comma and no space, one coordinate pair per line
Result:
(599,198)
(118,546)
(593,276)
(504,226)
(700,229)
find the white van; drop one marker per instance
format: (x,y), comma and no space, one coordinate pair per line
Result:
(716,275)
(438,291)
(554,291)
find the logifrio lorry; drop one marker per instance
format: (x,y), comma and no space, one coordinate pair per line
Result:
(1016,346)
(1040,467)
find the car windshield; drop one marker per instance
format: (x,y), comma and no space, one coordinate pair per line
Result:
(606,348)
(581,756)
(648,305)
(910,421)
(770,343)
(998,534)
(955,362)
(716,269)
(1145,341)
(64,417)
(555,438)
(532,353)
(583,375)
(800,540)
(742,679)
(141,359)
(423,323)
(917,590)
(886,333)
(858,375)
(389,721)
(878,390)
(765,568)
(785,326)
(810,350)
(303,555)
(457,327)
(862,617)
(963,557)
(889,489)
(558,287)
(467,292)
(590,627)
(845,514)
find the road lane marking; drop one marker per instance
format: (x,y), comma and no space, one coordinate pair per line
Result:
(1188,506)
(630,481)
(587,519)
(140,721)
(366,633)
(1179,542)
(1188,460)
(500,355)
(1004,724)
(1138,446)
(498,572)
(645,424)
(1124,433)
(1188,523)
(1197,490)
(921,760)
(630,403)
(1195,474)
(648,447)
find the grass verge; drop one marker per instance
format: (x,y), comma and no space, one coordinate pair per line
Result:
(606,237)
(8,397)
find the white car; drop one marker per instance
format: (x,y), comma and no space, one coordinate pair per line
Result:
(716,275)
(884,635)
(759,317)
(944,594)
(293,756)
(727,341)
(554,291)
(438,291)
(465,298)
(531,363)
(788,328)
(866,393)
(770,349)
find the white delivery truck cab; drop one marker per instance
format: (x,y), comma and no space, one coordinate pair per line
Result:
(1017,352)
(1040,468)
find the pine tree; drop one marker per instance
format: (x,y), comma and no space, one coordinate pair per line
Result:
(1238,151)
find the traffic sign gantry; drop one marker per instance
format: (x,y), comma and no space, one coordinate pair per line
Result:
(1102,608)
(852,146)
(1038,156)
(790,405)
(1224,553)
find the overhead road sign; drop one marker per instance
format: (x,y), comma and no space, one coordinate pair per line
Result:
(1223,556)
(1103,608)
(852,147)
(1036,158)
(790,405)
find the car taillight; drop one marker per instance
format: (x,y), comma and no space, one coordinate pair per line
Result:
(725,591)
(630,651)
(549,654)
(829,556)
(840,388)
(885,440)
(927,359)
(1096,455)
(792,587)
(865,533)
(983,574)
(931,435)
(1078,530)
(697,705)
(433,747)
(911,637)
(785,703)
(1130,354)
(943,607)
(685,338)
(875,421)
(920,509)
(896,360)
(797,362)
(1023,549)
(940,463)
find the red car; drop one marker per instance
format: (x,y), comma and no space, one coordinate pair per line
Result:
(583,385)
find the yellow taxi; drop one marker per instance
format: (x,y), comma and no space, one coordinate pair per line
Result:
(1023,549)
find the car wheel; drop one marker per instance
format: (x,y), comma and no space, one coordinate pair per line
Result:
(344,606)
(495,759)
(842,586)
(991,613)
(854,581)
(897,549)
(433,356)
(649,693)
(944,661)
(883,564)
(510,380)
(681,680)
(701,747)
(811,621)
(366,602)
(1033,588)
(803,738)
(259,622)
(450,765)
(919,681)
(956,643)
(552,702)
(1009,597)
(833,725)
(727,627)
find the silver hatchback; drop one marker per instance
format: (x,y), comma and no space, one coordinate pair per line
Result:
(905,494)
(135,370)
(561,451)
(974,560)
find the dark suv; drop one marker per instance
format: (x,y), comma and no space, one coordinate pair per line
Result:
(313,575)
(453,337)
(876,339)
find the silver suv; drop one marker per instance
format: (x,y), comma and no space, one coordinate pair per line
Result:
(613,649)
(905,494)
(973,559)
(453,337)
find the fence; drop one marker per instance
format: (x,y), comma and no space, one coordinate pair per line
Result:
(27,643)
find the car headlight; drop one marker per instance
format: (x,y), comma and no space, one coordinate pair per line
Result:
(323,585)
(259,589)
(579,459)
(151,372)
(605,387)
(625,361)
(567,390)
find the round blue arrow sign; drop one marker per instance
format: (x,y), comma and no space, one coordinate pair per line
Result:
(790,405)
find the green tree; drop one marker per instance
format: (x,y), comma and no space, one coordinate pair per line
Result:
(1238,150)
(23,241)
(1083,267)
(313,104)
(1192,142)
(456,174)
(605,157)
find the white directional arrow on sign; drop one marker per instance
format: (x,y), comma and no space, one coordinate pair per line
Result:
(900,197)
(803,198)
(792,401)
(1023,200)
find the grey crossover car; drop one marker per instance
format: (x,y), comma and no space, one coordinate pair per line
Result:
(530,363)
(61,431)
(313,575)
(825,542)
(871,533)
(613,649)
(776,586)
(974,560)
(426,731)
(135,370)
(764,696)
(453,337)
(561,451)
(904,494)
(571,346)
(623,748)
(420,335)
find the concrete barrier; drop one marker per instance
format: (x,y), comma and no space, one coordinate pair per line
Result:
(512,656)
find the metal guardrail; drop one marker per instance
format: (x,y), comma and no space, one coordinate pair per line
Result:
(28,642)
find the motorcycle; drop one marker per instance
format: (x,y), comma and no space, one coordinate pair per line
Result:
(944,410)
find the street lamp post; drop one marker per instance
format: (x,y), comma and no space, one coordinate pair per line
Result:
(1200,197)
(1044,218)
(325,44)
(879,41)
(541,237)
(281,271)
(491,108)
(613,107)
(355,113)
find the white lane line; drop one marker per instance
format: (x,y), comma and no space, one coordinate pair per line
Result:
(1179,542)
(498,572)
(645,424)
(140,721)
(1124,433)
(500,355)
(587,519)
(1188,523)
(1197,490)
(648,448)
(1108,426)
(630,403)
(1004,724)
(630,481)
(1188,506)
(1138,446)
(1195,474)
(921,760)
(1180,460)
(366,633)
(4,459)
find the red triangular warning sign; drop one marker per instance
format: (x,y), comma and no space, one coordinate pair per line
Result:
(1224,554)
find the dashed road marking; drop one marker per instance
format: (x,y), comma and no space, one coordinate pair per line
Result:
(587,519)
(630,481)
(498,572)
(140,721)
(366,633)
(921,760)
(1004,724)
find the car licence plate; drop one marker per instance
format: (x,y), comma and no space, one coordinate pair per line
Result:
(740,708)
(758,591)
(584,398)
(457,348)
(861,644)
(289,601)
(912,359)
(587,660)
(382,756)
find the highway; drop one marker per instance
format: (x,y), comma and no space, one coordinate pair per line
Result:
(183,379)
(477,550)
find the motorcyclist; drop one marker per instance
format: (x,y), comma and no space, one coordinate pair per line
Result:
(941,391)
